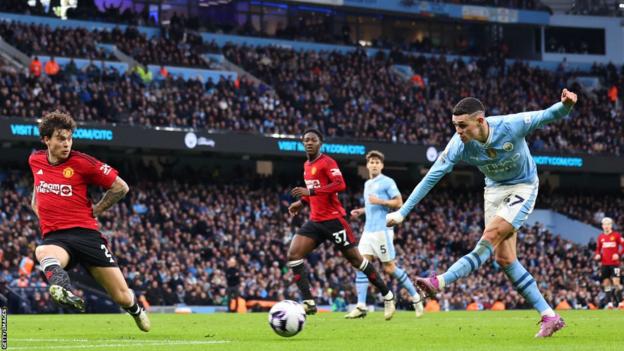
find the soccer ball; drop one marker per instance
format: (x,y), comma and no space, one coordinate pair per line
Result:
(287,318)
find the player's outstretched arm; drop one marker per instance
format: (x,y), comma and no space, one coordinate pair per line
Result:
(443,165)
(116,192)
(527,122)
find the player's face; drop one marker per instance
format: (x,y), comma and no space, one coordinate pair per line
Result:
(467,127)
(59,145)
(607,227)
(311,144)
(375,166)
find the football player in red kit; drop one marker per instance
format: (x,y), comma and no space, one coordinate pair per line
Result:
(609,250)
(68,218)
(324,181)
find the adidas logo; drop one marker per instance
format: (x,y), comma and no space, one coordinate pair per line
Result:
(40,172)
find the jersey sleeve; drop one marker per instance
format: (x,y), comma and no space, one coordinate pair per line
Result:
(98,173)
(392,190)
(443,165)
(523,123)
(336,181)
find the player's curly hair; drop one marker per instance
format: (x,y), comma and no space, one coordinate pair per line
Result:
(54,120)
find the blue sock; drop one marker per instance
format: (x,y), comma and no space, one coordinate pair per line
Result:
(402,277)
(524,283)
(469,263)
(361,285)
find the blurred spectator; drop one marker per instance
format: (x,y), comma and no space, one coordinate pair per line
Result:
(35,67)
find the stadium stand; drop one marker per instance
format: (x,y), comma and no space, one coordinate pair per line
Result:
(248,220)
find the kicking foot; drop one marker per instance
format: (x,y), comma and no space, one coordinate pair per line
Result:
(66,298)
(309,306)
(550,325)
(357,312)
(430,286)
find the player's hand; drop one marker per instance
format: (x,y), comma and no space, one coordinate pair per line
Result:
(300,191)
(357,212)
(568,98)
(597,257)
(375,200)
(394,218)
(295,207)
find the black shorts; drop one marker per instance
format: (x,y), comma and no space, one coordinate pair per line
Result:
(608,272)
(85,246)
(338,231)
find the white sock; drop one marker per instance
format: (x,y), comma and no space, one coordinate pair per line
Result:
(441,282)
(548,313)
(389,296)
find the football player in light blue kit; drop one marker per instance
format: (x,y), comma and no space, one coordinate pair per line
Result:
(380,195)
(496,145)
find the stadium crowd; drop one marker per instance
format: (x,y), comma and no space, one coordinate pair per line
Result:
(347,95)
(38,39)
(248,220)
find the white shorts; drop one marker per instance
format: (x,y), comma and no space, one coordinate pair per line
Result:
(378,244)
(513,203)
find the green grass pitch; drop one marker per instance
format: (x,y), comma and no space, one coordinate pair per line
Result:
(508,330)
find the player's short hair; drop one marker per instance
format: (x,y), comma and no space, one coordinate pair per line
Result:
(54,120)
(607,220)
(375,154)
(315,131)
(468,106)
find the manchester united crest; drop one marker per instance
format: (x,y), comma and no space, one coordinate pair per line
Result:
(68,172)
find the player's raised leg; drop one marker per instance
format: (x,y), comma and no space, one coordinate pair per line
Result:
(523,282)
(352,254)
(300,247)
(53,260)
(399,274)
(115,285)
(495,232)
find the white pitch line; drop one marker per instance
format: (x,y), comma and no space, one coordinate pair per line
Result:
(105,340)
(134,345)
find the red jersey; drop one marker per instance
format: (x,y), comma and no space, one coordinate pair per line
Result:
(61,189)
(607,246)
(324,180)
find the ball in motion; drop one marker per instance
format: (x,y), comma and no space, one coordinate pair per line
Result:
(287,318)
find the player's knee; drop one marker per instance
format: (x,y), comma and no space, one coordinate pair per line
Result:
(504,261)
(389,268)
(293,256)
(496,235)
(42,252)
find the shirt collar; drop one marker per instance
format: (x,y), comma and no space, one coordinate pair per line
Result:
(489,139)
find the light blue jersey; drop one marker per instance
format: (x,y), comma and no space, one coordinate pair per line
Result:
(504,158)
(384,188)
